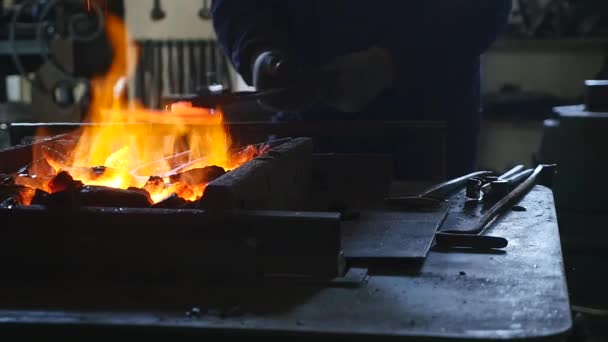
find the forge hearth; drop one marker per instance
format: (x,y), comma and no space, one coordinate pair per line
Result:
(276,178)
(247,224)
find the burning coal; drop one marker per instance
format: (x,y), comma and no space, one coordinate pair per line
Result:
(128,155)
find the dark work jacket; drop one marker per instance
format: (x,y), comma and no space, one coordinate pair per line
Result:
(437,45)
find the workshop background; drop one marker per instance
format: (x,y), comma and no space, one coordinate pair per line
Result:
(533,68)
(535,100)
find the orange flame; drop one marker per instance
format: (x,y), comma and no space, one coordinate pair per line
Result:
(133,143)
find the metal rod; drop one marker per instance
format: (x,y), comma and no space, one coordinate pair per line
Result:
(443,189)
(433,196)
(511,172)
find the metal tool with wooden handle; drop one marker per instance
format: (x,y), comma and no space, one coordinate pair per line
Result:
(473,238)
(432,197)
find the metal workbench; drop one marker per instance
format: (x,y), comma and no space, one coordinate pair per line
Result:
(520,293)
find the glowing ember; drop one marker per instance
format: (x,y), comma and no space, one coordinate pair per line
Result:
(126,145)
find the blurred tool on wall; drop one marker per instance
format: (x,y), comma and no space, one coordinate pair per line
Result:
(51,49)
(157,13)
(205,12)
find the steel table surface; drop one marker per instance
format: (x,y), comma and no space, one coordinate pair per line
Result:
(520,294)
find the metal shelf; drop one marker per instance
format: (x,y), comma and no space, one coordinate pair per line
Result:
(504,44)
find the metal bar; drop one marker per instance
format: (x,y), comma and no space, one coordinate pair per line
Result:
(157,75)
(213,62)
(204,66)
(192,68)
(181,67)
(517,178)
(511,172)
(171,68)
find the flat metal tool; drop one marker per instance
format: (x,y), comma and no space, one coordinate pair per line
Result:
(459,240)
(434,196)
(386,237)
(474,237)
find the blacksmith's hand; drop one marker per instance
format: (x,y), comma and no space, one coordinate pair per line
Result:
(360,78)
(272,70)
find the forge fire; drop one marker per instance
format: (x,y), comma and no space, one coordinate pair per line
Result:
(126,152)
(133,165)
